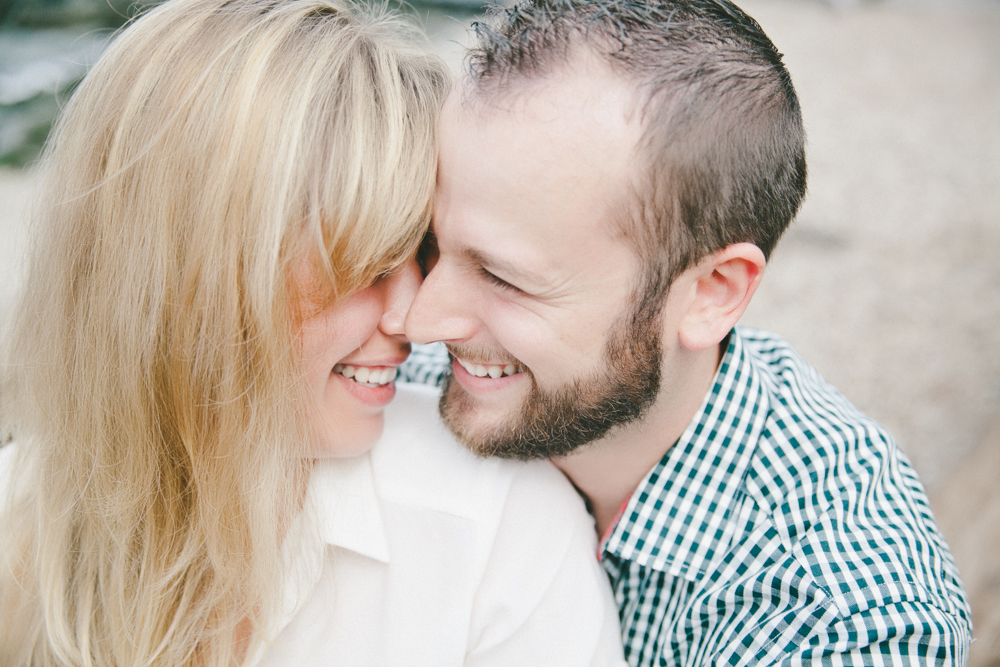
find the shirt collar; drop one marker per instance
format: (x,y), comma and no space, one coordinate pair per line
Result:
(344,497)
(680,514)
(341,509)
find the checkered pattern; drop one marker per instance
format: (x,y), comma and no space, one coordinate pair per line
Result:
(427,364)
(783,527)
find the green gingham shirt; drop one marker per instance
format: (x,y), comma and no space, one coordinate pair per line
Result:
(783,527)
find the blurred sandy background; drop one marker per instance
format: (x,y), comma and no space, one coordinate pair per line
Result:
(889,280)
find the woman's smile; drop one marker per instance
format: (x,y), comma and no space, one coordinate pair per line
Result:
(350,350)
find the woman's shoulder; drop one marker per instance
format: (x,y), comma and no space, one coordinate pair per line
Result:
(540,596)
(420,461)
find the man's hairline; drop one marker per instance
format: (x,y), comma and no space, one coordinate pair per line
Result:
(629,226)
(485,100)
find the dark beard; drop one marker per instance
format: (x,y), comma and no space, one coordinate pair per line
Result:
(554,423)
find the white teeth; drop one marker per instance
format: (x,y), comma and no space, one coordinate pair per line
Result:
(494,372)
(369,376)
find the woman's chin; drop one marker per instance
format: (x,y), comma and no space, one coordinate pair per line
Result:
(349,440)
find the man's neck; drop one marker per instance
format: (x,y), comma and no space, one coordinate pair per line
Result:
(609,470)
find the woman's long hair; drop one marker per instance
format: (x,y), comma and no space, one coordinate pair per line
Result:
(152,383)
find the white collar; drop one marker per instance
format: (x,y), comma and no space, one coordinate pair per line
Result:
(341,509)
(344,497)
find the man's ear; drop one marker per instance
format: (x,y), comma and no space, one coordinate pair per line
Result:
(722,285)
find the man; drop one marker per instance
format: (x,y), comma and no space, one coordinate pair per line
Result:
(612,178)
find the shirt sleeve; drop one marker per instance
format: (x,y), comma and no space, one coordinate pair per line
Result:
(543,599)
(907,632)
(901,634)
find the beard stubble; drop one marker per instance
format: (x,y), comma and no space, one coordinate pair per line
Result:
(554,422)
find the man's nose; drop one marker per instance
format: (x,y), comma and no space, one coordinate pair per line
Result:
(441,309)
(401,288)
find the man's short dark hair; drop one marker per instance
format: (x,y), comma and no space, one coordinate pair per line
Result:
(722,130)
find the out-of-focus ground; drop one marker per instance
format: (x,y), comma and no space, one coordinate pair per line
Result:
(889,280)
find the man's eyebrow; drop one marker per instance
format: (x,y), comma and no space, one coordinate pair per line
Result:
(512,271)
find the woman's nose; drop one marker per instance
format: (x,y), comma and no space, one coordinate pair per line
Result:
(401,287)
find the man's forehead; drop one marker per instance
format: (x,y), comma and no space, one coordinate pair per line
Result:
(584,84)
(570,123)
(540,176)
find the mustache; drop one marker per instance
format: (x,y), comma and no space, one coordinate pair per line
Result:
(481,355)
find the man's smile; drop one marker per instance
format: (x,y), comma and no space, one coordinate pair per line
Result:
(484,378)
(484,370)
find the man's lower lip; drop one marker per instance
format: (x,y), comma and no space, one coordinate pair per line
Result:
(481,384)
(376,396)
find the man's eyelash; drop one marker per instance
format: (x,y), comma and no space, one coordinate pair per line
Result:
(499,282)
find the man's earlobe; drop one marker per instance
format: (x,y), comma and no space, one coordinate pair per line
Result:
(724,283)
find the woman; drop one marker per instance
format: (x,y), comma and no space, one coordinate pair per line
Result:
(202,361)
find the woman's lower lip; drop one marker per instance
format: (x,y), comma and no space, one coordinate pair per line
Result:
(375,396)
(481,384)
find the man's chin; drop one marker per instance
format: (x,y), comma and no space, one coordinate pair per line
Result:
(520,428)
(481,425)
(526,422)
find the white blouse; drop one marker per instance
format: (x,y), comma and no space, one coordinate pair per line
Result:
(424,555)
(434,557)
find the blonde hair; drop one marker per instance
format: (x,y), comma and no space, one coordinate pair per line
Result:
(152,385)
